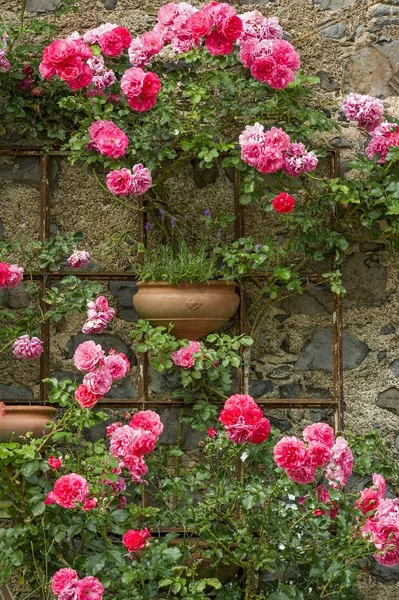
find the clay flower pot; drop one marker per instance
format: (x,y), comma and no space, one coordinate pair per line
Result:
(194,309)
(21,419)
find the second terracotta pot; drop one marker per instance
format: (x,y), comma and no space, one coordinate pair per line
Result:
(21,419)
(193,309)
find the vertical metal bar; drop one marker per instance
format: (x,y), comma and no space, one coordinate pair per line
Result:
(338,363)
(44,230)
(239,231)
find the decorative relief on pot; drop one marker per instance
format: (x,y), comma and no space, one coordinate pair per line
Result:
(193,303)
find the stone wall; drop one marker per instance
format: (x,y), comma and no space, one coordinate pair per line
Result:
(353,45)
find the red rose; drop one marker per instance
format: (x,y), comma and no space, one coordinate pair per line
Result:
(263,68)
(261,431)
(54,463)
(59,51)
(82,80)
(212,433)
(135,540)
(85,398)
(218,44)
(151,84)
(283,203)
(124,35)
(200,24)
(111,43)
(231,28)
(142,103)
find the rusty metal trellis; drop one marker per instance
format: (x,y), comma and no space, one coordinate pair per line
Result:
(336,402)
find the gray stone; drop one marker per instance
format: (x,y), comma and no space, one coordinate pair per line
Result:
(365,280)
(372,70)
(260,387)
(316,300)
(110,4)
(314,392)
(394,366)
(162,383)
(333,4)
(371,247)
(389,400)
(383,574)
(382,23)
(106,340)
(124,292)
(255,2)
(387,329)
(317,354)
(170,419)
(397,442)
(1,229)
(15,392)
(281,424)
(339,142)
(25,169)
(281,318)
(319,415)
(42,6)
(290,390)
(357,483)
(281,372)
(335,31)
(203,176)
(327,81)
(16,297)
(126,389)
(381,355)
(383,10)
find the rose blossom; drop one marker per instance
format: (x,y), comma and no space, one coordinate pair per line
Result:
(54,463)
(148,420)
(340,467)
(290,453)
(69,592)
(298,160)
(243,420)
(271,160)
(218,44)
(319,432)
(79,258)
(121,441)
(70,489)
(117,364)
(132,82)
(318,454)
(90,588)
(136,467)
(212,433)
(61,579)
(167,13)
(92,36)
(90,504)
(98,382)
(261,431)
(152,42)
(384,137)
(367,111)
(138,55)
(184,356)
(302,475)
(88,355)
(10,275)
(108,139)
(134,540)
(200,24)
(113,427)
(141,179)
(120,182)
(85,398)
(283,203)
(27,348)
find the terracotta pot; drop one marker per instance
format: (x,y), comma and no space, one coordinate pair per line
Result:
(21,419)
(194,309)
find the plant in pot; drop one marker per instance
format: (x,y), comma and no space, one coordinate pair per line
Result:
(21,327)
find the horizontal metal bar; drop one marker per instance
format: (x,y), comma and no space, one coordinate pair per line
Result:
(95,275)
(31,151)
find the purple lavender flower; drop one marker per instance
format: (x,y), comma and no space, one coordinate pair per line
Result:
(162,214)
(258,247)
(147,226)
(173,222)
(207,213)
(219,233)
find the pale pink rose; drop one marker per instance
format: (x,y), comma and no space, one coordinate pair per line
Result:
(141,180)
(167,13)
(341,465)
(252,134)
(298,160)
(90,588)
(98,382)
(61,579)
(70,490)
(97,65)
(270,29)
(132,81)
(88,355)
(5,64)
(79,258)
(277,138)
(148,420)
(380,484)
(120,182)
(219,11)
(247,52)
(319,432)
(184,357)
(27,348)
(92,36)
(69,592)
(118,365)
(290,453)
(94,325)
(138,55)
(100,308)
(136,466)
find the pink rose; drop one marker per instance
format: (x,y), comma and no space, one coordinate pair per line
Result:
(132,81)
(142,103)
(290,453)
(108,139)
(70,489)
(285,55)
(98,382)
(261,431)
(151,85)
(112,428)
(90,588)
(167,13)
(118,365)
(69,592)
(124,35)
(111,44)
(61,579)
(271,160)
(318,454)
(184,357)
(79,258)
(136,466)
(82,80)
(152,42)
(138,55)
(85,398)
(251,154)
(200,24)
(121,440)
(231,28)
(94,325)
(59,51)
(50,499)
(120,182)
(263,68)
(134,540)
(277,138)
(27,348)
(220,12)
(90,504)
(218,44)
(88,355)
(367,111)
(281,77)
(148,420)
(319,432)
(141,180)
(302,475)
(54,463)
(212,433)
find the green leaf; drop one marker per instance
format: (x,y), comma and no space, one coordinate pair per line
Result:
(173,554)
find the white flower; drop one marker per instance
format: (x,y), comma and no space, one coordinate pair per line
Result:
(281,547)
(244,456)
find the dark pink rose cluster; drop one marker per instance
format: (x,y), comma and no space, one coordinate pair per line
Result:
(272,150)
(71,491)
(101,371)
(99,314)
(366,111)
(5,64)
(108,139)
(67,586)
(300,461)
(130,443)
(382,521)
(122,182)
(184,357)
(103,77)
(10,275)
(78,258)
(243,420)
(383,138)
(141,89)
(142,49)
(67,58)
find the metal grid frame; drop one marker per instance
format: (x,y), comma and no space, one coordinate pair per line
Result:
(336,402)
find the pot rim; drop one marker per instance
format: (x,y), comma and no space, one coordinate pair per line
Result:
(15,408)
(211,283)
